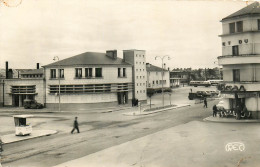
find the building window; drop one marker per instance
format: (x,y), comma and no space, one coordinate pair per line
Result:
(98,72)
(136,77)
(124,72)
(236,75)
(137,91)
(153,82)
(78,72)
(61,73)
(88,72)
(231,28)
(235,51)
(240,26)
(119,72)
(137,84)
(144,91)
(258,22)
(136,62)
(136,70)
(53,73)
(143,55)
(157,82)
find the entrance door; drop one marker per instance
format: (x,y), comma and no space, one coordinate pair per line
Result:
(16,100)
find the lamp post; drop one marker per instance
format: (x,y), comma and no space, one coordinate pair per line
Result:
(162,58)
(59,73)
(216,62)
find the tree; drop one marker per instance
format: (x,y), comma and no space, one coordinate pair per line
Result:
(150,93)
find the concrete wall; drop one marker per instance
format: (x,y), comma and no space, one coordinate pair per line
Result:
(249,24)
(40,89)
(253,44)
(248,72)
(157,76)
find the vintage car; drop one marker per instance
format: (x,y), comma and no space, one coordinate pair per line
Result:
(32,104)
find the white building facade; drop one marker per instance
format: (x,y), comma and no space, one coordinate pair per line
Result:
(155,79)
(241,59)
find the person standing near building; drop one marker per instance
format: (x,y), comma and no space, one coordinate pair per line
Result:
(215,110)
(75,125)
(205,103)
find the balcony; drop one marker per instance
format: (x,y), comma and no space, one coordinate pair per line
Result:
(239,59)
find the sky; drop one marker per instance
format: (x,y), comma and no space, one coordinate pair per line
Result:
(37,30)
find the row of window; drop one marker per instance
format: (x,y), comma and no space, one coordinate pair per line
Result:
(78,73)
(139,55)
(139,62)
(238,26)
(90,88)
(139,70)
(141,91)
(140,84)
(140,77)
(159,82)
(32,75)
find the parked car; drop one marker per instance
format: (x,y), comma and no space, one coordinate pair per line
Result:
(32,104)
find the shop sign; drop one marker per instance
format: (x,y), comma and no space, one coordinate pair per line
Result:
(234,88)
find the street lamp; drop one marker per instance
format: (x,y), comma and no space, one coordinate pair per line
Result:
(56,58)
(162,58)
(216,62)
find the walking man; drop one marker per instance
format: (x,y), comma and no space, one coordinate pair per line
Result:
(205,103)
(75,126)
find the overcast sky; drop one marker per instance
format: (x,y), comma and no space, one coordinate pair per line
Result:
(37,30)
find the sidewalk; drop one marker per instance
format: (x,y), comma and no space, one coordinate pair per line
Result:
(11,138)
(137,113)
(230,120)
(198,144)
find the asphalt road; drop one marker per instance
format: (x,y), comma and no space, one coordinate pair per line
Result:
(98,131)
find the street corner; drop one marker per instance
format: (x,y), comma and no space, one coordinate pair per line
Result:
(12,138)
(229,120)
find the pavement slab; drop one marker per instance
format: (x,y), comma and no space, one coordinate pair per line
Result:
(11,138)
(195,144)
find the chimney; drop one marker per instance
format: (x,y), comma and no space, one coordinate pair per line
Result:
(112,54)
(6,69)
(148,65)
(38,66)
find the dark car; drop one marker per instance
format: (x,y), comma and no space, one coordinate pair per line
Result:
(32,104)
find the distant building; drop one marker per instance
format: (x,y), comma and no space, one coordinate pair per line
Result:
(154,77)
(179,76)
(22,84)
(240,59)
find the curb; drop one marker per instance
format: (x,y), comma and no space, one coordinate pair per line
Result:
(225,120)
(156,111)
(48,134)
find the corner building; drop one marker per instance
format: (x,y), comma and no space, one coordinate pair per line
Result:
(241,59)
(94,79)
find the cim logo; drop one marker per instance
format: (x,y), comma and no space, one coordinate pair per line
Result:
(235,146)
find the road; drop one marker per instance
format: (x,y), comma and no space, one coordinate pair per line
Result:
(98,131)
